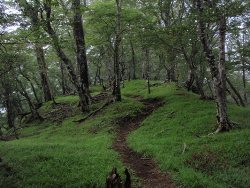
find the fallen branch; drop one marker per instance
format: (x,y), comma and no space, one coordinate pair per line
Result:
(184,148)
(109,101)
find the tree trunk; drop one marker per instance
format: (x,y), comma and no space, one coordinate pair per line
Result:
(133,60)
(117,89)
(43,72)
(233,97)
(23,92)
(148,69)
(218,72)
(9,107)
(80,45)
(236,92)
(172,72)
(31,84)
(192,72)
(244,79)
(82,93)
(63,79)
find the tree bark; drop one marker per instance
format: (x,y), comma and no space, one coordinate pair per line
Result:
(43,72)
(244,80)
(217,71)
(148,69)
(64,92)
(80,44)
(236,92)
(31,84)
(9,106)
(233,97)
(192,72)
(116,85)
(244,73)
(23,92)
(133,60)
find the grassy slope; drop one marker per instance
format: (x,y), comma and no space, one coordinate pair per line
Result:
(221,160)
(68,155)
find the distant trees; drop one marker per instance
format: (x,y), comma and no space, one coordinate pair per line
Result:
(201,45)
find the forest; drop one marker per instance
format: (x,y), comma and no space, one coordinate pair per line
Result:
(125,93)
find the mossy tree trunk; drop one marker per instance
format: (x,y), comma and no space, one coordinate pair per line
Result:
(118,39)
(80,44)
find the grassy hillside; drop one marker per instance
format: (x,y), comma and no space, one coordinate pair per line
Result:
(176,136)
(68,154)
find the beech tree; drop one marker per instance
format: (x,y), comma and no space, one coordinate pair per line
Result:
(80,44)
(217,67)
(118,38)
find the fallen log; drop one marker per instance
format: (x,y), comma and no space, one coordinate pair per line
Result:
(109,101)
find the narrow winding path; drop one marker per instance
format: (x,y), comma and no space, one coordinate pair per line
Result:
(145,168)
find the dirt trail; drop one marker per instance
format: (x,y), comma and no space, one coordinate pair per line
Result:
(145,168)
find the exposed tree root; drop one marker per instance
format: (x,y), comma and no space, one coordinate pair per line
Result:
(225,128)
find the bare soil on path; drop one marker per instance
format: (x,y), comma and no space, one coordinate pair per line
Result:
(144,168)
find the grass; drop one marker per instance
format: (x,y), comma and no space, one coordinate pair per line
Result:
(69,155)
(221,160)
(72,155)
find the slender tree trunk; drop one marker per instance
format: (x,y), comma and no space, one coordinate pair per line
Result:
(9,106)
(98,74)
(199,85)
(35,93)
(190,79)
(80,44)
(116,89)
(63,79)
(33,109)
(233,97)
(244,79)
(43,72)
(148,69)
(172,70)
(192,73)
(18,105)
(243,61)
(133,60)
(32,86)
(218,72)
(10,111)
(236,92)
